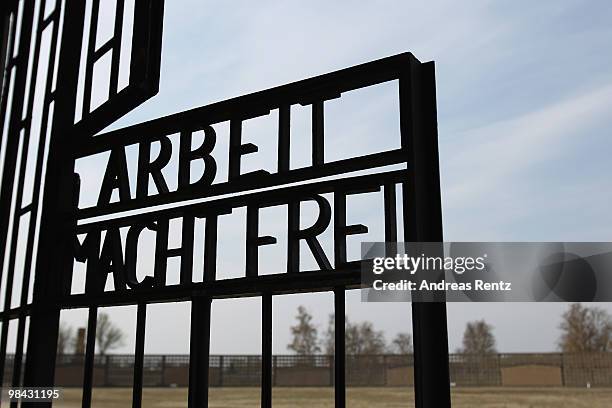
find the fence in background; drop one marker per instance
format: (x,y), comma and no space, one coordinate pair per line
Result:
(549,369)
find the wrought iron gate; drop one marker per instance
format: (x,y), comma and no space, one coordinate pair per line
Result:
(49,121)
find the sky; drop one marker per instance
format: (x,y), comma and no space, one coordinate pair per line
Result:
(524,93)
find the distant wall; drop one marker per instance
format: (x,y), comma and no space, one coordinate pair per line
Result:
(532,375)
(537,370)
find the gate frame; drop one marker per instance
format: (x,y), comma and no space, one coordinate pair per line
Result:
(58,225)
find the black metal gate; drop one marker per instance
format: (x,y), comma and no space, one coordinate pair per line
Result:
(49,121)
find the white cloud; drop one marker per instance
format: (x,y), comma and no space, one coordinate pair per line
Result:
(489,168)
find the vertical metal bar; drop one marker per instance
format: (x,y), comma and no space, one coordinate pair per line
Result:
(90,349)
(339,348)
(25,145)
(89,60)
(18,358)
(186,251)
(9,28)
(234,148)
(141,321)
(252,250)
(6,42)
(266,350)
(390,212)
(14,129)
(54,256)
(199,350)
(210,248)
(114,71)
(148,27)
(19,175)
(11,151)
(284,137)
(318,139)
(5,327)
(423,223)
(42,140)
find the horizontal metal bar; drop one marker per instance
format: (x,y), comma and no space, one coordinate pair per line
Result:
(16,312)
(344,80)
(262,199)
(12,62)
(104,48)
(26,209)
(279,284)
(50,19)
(123,101)
(246,183)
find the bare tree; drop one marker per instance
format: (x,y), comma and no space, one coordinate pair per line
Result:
(65,339)
(329,338)
(360,338)
(585,329)
(478,338)
(402,344)
(108,336)
(304,334)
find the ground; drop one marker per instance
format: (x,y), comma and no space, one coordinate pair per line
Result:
(380,397)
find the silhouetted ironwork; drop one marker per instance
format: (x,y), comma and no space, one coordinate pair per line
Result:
(66,122)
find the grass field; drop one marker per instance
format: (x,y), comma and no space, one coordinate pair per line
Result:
(356,397)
